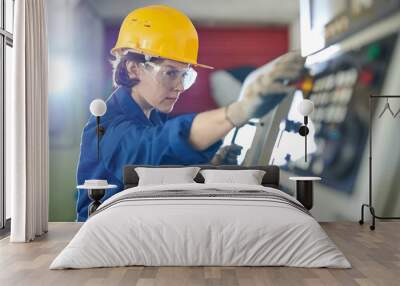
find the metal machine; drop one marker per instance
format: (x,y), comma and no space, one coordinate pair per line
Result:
(339,126)
(354,64)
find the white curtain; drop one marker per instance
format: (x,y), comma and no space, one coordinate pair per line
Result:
(27,173)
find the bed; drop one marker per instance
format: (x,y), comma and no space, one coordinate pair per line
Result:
(198,224)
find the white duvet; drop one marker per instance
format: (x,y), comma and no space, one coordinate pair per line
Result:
(200,231)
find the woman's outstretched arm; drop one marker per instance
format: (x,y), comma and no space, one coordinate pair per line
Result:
(208,127)
(262,91)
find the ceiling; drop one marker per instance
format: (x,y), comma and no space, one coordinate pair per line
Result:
(254,12)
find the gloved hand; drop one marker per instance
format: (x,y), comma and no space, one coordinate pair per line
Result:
(227,155)
(265,88)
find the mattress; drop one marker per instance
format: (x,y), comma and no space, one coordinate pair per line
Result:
(201,225)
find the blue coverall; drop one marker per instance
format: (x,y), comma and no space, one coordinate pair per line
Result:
(132,138)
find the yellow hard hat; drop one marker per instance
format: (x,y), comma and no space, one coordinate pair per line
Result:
(160,31)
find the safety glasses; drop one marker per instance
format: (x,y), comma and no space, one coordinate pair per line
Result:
(170,76)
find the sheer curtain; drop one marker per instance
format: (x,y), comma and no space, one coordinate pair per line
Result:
(27,124)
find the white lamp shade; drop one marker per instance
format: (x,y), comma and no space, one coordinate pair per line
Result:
(306,107)
(98,107)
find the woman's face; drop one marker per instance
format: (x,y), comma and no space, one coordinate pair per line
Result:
(161,84)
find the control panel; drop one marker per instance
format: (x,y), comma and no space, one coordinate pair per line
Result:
(339,124)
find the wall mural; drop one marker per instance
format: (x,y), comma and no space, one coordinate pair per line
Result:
(154,95)
(164,105)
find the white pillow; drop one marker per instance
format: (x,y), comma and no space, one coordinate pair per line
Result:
(249,177)
(163,176)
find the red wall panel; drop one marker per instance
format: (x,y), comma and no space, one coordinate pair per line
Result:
(225,48)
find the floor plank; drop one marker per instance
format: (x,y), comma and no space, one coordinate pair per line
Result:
(374,255)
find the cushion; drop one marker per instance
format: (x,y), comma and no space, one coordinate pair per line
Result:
(162,176)
(248,177)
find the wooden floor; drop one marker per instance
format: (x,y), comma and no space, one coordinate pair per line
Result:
(375,257)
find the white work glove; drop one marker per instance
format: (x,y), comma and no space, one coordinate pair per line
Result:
(265,88)
(227,155)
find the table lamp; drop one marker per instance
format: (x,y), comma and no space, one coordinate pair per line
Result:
(305,108)
(98,108)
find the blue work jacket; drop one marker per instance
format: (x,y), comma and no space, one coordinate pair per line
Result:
(132,138)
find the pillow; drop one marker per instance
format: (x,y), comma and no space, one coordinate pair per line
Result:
(163,176)
(249,177)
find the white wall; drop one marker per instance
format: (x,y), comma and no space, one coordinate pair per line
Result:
(294,34)
(313,18)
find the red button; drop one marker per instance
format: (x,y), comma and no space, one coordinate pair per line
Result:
(366,77)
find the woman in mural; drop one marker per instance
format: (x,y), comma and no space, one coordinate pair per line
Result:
(155,54)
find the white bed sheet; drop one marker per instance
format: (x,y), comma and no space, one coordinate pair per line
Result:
(200,231)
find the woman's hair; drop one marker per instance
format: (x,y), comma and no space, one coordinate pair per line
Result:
(120,72)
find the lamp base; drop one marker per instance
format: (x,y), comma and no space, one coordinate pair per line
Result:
(95,195)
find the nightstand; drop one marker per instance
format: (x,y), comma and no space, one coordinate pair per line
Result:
(304,190)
